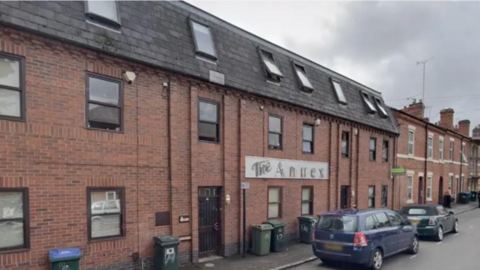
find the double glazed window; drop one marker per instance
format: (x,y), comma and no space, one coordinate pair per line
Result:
(104,103)
(371,196)
(14,231)
(452,143)
(385,151)
(106,212)
(368,103)
(411,141)
(410,188)
(307,200)
(274,202)
(103,11)
(339,92)
(12,87)
(203,40)
(302,78)
(273,72)
(373,149)
(440,149)
(274,132)
(307,138)
(384,196)
(430,147)
(429,187)
(345,144)
(208,121)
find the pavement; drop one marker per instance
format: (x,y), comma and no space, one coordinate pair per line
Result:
(300,257)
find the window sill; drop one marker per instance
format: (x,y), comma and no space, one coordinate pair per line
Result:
(105,130)
(113,238)
(345,156)
(307,153)
(410,201)
(429,200)
(13,119)
(17,250)
(210,142)
(275,149)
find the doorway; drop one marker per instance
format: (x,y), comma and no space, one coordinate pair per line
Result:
(344,195)
(440,190)
(420,190)
(209,225)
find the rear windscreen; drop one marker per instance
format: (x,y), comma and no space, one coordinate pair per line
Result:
(338,223)
(418,211)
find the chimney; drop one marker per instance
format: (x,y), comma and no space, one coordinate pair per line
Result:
(446,118)
(415,109)
(464,127)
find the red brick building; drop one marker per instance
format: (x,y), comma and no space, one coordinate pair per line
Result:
(436,156)
(114,134)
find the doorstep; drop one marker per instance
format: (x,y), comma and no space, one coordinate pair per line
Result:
(295,254)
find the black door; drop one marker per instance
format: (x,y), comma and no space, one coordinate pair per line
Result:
(420,190)
(209,220)
(440,191)
(344,202)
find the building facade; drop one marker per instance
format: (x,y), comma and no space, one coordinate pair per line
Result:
(435,155)
(130,120)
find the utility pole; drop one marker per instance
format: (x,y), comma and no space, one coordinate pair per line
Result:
(424,62)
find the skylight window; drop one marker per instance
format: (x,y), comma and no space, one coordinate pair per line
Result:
(203,40)
(339,92)
(380,107)
(105,11)
(368,102)
(273,72)
(302,77)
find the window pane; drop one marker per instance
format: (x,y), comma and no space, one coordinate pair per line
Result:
(274,140)
(307,133)
(371,191)
(273,210)
(368,102)
(106,226)
(203,38)
(207,131)
(208,112)
(11,205)
(306,208)
(109,206)
(370,223)
(275,124)
(273,195)
(306,194)
(103,114)
(107,9)
(382,220)
(307,147)
(268,60)
(10,103)
(9,72)
(373,143)
(11,233)
(303,77)
(104,91)
(339,91)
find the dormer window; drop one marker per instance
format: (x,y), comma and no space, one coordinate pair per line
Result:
(381,109)
(338,92)
(202,37)
(273,72)
(103,11)
(368,103)
(302,78)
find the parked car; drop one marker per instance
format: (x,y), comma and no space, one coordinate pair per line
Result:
(431,220)
(363,237)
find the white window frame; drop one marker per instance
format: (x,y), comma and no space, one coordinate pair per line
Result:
(450,180)
(451,148)
(410,188)
(429,187)
(440,148)
(368,101)
(278,204)
(96,14)
(411,142)
(430,146)
(463,158)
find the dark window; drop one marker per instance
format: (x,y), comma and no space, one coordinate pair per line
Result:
(203,40)
(106,218)
(385,151)
(14,227)
(373,149)
(12,87)
(384,196)
(345,144)
(273,72)
(103,11)
(208,121)
(395,219)
(368,103)
(302,78)
(451,150)
(382,220)
(371,196)
(274,132)
(381,108)
(307,141)
(370,223)
(339,92)
(104,103)
(274,202)
(338,223)
(307,201)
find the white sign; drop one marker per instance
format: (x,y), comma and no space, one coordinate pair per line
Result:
(217,77)
(262,167)
(245,185)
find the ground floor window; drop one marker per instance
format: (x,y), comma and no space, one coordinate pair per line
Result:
(371,197)
(106,212)
(429,187)
(274,202)
(384,196)
(410,188)
(307,201)
(14,231)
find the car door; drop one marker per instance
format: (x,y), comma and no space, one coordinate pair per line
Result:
(446,219)
(389,235)
(405,233)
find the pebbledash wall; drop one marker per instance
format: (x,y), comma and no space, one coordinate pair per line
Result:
(156,163)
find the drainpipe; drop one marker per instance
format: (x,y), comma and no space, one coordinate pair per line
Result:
(337,166)
(394,163)
(329,165)
(461,165)
(357,167)
(424,199)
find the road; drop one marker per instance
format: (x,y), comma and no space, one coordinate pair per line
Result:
(456,252)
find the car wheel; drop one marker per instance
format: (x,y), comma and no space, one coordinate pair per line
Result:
(414,245)
(439,236)
(456,227)
(376,262)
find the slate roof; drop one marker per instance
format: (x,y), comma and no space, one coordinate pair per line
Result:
(158,33)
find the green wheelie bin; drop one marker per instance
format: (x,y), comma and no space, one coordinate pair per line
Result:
(166,252)
(261,237)
(65,258)
(306,225)
(278,235)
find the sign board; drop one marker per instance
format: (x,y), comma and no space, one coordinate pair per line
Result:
(245,185)
(398,170)
(263,167)
(217,77)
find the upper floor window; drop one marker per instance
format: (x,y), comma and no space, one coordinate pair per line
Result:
(411,141)
(302,78)
(373,149)
(452,143)
(104,103)
(106,216)
(208,121)
(345,144)
(430,146)
(339,92)
(274,132)
(463,157)
(385,151)
(274,202)
(105,11)
(368,102)
(12,87)
(440,149)
(381,108)
(203,40)
(307,141)
(14,230)
(273,72)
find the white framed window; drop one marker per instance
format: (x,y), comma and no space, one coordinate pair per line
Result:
(307,201)
(274,202)
(339,92)
(409,188)
(440,149)
(203,39)
(429,187)
(411,141)
(430,147)
(368,102)
(452,143)
(450,181)
(462,153)
(303,78)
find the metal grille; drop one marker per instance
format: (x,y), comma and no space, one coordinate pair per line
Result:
(209,220)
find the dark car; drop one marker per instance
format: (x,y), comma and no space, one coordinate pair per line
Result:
(363,237)
(432,220)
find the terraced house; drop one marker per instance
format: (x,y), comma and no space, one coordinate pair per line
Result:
(122,121)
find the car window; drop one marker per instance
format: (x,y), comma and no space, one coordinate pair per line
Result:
(370,223)
(395,219)
(338,223)
(419,211)
(441,210)
(382,219)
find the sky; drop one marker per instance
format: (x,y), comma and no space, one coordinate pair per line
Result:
(378,44)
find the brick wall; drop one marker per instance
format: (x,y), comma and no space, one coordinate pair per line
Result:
(57,158)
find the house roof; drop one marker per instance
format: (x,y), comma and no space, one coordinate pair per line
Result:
(158,33)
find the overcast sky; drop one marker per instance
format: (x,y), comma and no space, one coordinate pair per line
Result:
(378,44)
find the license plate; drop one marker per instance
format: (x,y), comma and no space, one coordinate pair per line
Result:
(415,222)
(333,247)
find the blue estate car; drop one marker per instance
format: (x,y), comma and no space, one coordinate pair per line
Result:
(363,236)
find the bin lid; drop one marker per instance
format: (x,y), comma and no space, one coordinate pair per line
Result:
(275,223)
(167,240)
(263,227)
(307,218)
(63,254)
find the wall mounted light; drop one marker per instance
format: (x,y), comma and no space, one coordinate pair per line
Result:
(317,122)
(355,131)
(227,199)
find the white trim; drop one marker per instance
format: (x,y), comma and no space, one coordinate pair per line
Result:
(463,143)
(429,199)
(420,174)
(452,139)
(456,176)
(450,174)
(429,173)
(410,127)
(410,173)
(463,175)
(440,138)
(410,201)
(430,134)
